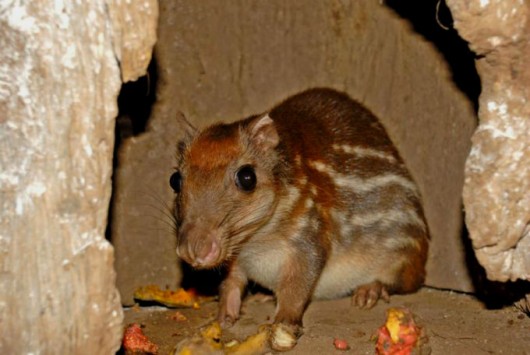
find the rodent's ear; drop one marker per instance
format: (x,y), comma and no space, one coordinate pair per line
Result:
(263,132)
(185,125)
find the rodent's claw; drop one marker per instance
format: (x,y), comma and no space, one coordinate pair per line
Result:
(226,321)
(366,296)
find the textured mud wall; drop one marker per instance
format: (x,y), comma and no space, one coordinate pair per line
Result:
(59,80)
(497,183)
(225,60)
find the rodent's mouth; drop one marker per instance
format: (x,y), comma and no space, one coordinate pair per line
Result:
(202,256)
(207,264)
(198,266)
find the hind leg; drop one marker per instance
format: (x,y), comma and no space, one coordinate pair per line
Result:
(366,296)
(405,275)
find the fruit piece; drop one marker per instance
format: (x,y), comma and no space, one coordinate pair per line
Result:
(178,317)
(340,344)
(135,341)
(169,298)
(208,341)
(212,333)
(254,344)
(400,335)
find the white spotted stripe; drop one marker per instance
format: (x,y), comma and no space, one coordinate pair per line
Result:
(388,218)
(363,185)
(362,152)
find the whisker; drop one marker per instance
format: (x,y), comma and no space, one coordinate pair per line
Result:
(160,217)
(163,211)
(164,219)
(224,219)
(167,208)
(152,193)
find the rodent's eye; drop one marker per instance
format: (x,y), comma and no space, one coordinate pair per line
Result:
(175,181)
(246,178)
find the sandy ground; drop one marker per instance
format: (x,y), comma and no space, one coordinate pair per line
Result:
(454,323)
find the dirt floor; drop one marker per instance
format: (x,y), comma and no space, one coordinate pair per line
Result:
(454,323)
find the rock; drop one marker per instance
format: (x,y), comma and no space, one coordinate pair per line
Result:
(497,184)
(59,80)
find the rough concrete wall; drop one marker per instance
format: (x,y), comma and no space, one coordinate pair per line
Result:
(222,60)
(59,80)
(142,227)
(497,184)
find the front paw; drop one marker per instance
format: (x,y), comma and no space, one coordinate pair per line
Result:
(229,306)
(283,336)
(226,321)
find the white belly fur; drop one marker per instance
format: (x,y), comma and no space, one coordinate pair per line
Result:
(264,264)
(339,277)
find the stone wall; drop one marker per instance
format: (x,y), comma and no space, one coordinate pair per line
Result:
(59,79)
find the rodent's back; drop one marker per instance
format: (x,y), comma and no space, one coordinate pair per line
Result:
(344,160)
(324,118)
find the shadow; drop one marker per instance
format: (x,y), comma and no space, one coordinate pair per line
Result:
(493,294)
(205,282)
(427,20)
(135,103)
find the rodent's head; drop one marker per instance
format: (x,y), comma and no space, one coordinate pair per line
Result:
(225,184)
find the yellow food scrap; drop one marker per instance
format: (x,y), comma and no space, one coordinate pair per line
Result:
(400,335)
(178,317)
(255,344)
(212,333)
(393,323)
(208,341)
(169,298)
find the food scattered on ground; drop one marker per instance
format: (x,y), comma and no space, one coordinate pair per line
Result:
(340,344)
(208,341)
(254,344)
(212,333)
(135,341)
(178,317)
(170,298)
(400,335)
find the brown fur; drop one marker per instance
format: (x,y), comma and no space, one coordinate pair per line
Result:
(334,210)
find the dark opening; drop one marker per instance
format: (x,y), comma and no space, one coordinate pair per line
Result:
(433,20)
(135,103)
(493,294)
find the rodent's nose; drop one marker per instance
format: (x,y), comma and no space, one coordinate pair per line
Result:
(199,247)
(208,253)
